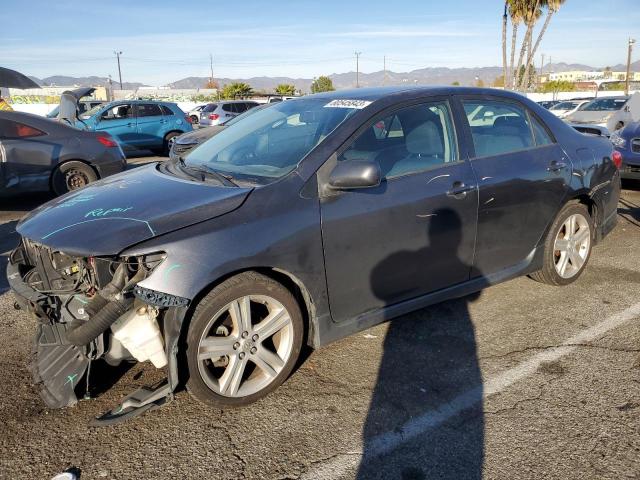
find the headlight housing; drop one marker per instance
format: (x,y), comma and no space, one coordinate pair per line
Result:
(618,141)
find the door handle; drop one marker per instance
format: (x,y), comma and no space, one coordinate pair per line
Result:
(459,190)
(556,166)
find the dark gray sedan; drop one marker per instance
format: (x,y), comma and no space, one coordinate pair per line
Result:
(311,220)
(38,154)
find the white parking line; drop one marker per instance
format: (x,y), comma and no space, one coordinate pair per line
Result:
(389,441)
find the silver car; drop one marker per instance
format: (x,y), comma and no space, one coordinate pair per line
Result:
(220,112)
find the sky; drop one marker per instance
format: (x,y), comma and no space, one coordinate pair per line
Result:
(163,41)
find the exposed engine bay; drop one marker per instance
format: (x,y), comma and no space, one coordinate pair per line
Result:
(87,309)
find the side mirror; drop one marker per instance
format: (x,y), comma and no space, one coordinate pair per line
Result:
(355,174)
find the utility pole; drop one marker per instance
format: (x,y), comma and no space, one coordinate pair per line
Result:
(384,70)
(211,66)
(117,54)
(358,69)
(629,49)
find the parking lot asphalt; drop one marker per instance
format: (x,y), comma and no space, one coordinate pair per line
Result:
(520,381)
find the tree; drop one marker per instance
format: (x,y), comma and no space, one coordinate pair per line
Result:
(322,84)
(552,7)
(504,38)
(285,89)
(498,82)
(556,86)
(479,83)
(516,13)
(211,84)
(456,83)
(237,90)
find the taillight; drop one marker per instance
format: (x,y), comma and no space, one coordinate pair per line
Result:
(616,156)
(214,116)
(188,119)
(107,141)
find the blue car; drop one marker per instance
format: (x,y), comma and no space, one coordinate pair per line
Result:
(138,124)
(627,143)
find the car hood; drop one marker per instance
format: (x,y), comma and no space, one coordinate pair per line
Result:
(108,216)
(589,117)
(200,135)
(632,130)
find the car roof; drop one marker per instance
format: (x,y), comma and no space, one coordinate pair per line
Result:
(136,102)
(233,101)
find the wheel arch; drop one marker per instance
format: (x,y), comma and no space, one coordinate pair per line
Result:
(290,281)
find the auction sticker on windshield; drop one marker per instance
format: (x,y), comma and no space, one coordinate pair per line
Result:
(359,104)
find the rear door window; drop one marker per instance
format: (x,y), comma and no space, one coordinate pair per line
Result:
(498,127)
(149,110)
(229,107)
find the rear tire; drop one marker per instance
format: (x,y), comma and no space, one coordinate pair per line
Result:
(71,176)
(236,358)
(194,119)
(567,248)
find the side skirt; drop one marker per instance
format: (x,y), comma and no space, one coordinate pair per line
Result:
(329,331)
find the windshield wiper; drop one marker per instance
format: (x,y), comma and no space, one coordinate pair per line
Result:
(204,170)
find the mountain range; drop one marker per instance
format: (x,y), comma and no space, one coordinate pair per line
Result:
(422,76)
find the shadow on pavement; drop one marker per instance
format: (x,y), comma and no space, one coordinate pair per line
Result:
(425,419)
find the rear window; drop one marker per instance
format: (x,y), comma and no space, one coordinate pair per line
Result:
(10,129)
(210,108)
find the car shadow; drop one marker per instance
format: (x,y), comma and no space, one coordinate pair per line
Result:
(425,418)
(629,211)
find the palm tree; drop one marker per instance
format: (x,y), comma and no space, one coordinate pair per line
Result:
(504,40)
(285,89)
(516,13)
(531,13)
(552,7)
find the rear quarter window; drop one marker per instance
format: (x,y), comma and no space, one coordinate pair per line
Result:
(166,110)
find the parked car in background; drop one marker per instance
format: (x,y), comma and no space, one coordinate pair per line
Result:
(194,114)
(627,143)
(38,155)
(565,108)
(279,98)
(188,141)
(610,112)
(306,222)
(138,124)
(548,103)
(81,105)
(220,112)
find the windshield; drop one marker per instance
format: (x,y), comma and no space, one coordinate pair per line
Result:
(91,112)
(270,143)
(604,104)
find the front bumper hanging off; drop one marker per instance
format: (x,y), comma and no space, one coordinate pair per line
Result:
(61,370)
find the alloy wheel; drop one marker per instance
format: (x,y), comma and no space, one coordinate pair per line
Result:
(245,346)
(571,246)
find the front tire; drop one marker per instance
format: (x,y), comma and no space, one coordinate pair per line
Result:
(244,339)
(168,142)
(71,176)
(567,248)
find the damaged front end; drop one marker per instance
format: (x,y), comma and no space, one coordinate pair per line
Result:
(91,308)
